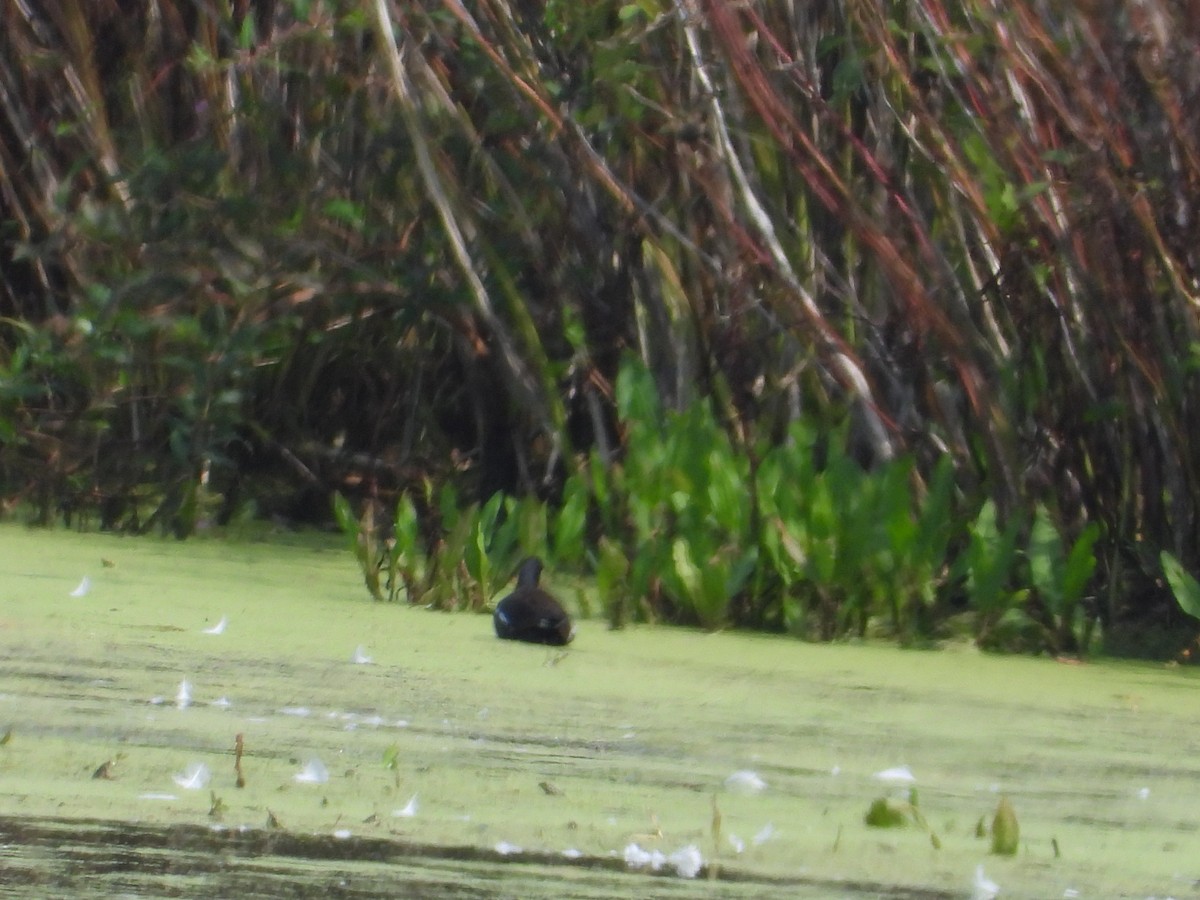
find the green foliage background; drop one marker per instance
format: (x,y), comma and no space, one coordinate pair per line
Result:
(795,317)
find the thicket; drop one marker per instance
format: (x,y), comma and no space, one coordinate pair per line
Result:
(905,293)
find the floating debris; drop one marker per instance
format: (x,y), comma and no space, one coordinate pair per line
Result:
(300,711)
(1143,793)
(156,795)
(84,587)
(737,843)
(983,888)
(572,853)
(360,657)
(343,834)
(195,778)
(686,861)
(745,781)
(409,810)
(220,627)
(183,698)
(637,858)
(764,834)
(314,772)
(504,848)
(896,775)
(222,703)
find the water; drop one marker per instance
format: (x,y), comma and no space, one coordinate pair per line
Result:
(631,737)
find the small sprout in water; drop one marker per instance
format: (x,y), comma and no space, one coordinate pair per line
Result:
(107,563)
(886,813)
(391,761)
(1006,834)
(981,827)
(238,749)
(654,835)
(216,806)
(6,738)
(273,820)
(105,770)
(550,788)
(716,824)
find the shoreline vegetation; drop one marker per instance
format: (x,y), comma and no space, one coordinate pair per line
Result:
(836,321)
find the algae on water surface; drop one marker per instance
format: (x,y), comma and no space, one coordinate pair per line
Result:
(628,738)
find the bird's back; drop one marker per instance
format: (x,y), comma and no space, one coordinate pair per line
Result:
(530,614)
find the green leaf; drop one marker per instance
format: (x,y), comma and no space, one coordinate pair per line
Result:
(347,521)
(1185,588)
(1006,833)
(1045,560)
(571,521)
(612,569)
(990,555)
(1080,564)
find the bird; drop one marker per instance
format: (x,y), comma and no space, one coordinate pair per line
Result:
(529,613)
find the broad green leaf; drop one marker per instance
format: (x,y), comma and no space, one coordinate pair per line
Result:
(1080,564)
(1183,585)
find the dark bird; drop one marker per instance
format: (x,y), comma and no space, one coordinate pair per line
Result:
(530,614)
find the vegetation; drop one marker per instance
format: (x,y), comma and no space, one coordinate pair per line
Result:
(819,320)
